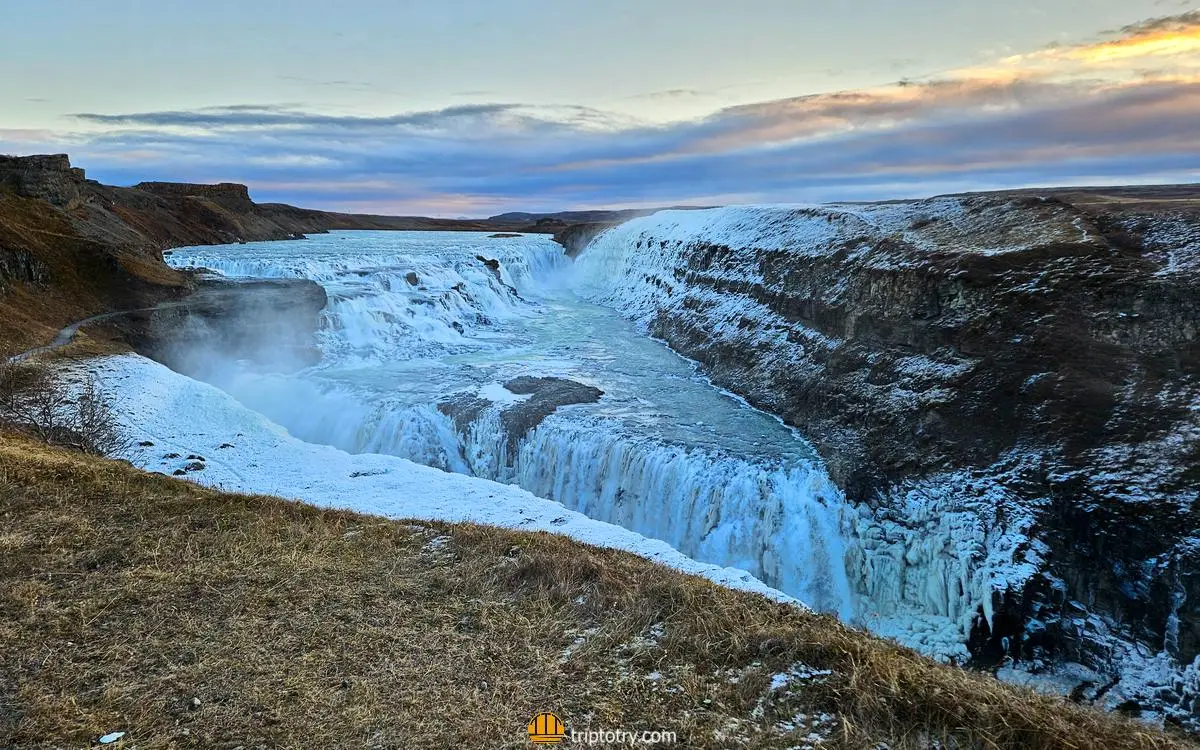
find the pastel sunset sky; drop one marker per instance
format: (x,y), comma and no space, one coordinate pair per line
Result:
(473,107)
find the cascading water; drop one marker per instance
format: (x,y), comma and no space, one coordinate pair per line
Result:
(416,320)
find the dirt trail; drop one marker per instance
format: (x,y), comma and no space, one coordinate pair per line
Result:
(67,335)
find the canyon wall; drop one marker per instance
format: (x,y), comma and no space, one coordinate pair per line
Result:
(1007,387)
(71,247)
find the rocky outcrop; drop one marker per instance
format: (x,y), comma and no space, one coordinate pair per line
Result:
(50,178)
(1025,364)
(269,322)
(575,237)
(544,396)
(71,247)
(229,194)
(22,267)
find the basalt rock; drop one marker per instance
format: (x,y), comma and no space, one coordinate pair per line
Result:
(50,178)
(575,237)
(546,395)
(464,409)
(1016,356)
(270,322)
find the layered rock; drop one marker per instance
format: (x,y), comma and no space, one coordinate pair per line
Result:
(271,323)
(1005,385)
(49,177)
(71,247)
(576,237)
(541,397)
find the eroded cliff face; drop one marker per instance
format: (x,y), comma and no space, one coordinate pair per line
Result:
(71,247)
(1006,387)
(270,324)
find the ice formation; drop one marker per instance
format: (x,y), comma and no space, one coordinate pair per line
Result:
(414,321)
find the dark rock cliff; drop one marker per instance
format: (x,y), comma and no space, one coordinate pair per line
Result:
(271,323)
(71,247)
(576,237)
(1032,362)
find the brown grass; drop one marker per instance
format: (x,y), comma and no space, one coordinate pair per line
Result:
(85,275)
(191,618)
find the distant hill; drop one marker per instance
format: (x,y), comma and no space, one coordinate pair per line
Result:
(584,217)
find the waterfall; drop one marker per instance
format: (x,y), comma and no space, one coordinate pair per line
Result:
(416,320)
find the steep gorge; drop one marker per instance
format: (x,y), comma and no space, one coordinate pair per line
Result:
(1005,385)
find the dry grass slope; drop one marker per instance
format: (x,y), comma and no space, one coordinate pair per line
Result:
(191,618)
(82,276)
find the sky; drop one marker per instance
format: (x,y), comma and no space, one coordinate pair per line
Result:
(474,107)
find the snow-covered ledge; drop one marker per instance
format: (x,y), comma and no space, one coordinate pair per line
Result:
(180,426)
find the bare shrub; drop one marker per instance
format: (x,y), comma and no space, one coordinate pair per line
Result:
(35,401)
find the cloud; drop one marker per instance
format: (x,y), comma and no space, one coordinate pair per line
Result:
(1121,108)
(670,94)
(1173,40)
(1171,24)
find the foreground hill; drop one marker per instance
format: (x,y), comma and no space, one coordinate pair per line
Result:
(185,617)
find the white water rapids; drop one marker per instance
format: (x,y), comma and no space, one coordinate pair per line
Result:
(415,319)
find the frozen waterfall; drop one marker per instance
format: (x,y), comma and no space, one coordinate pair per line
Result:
(419,320)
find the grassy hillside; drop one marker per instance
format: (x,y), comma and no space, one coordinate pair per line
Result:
(190,618)
(52,273)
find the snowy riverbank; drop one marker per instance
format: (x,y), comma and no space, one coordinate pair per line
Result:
(177,423)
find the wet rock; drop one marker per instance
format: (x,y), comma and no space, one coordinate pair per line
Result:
(494,267)
(412,278)
(463,410)
(271,322)
(575,237)
(546,395)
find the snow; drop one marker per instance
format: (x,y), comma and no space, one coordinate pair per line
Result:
(1173,241)
(927,564)
(797,673)
(185,417)
(498,394)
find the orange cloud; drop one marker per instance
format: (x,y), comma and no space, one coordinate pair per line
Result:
(1165,50)
(1173,42)
(1161,44)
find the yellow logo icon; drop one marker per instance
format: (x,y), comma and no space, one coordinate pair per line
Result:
(547,729)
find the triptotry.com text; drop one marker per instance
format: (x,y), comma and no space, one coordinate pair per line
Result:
(621,737)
